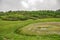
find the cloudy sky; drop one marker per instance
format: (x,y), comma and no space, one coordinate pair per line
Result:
(6,5)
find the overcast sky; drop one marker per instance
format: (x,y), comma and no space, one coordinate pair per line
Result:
(6,5)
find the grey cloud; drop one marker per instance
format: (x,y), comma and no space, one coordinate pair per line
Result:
(6,5)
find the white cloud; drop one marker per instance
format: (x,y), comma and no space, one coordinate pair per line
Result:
(29,4)
(41,1)
(32,2)
(24,4)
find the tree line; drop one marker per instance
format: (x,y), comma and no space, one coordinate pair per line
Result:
(25,15)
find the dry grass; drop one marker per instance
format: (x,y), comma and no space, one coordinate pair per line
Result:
(41,28)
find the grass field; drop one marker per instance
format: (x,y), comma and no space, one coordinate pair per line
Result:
(9,30)
(42,28)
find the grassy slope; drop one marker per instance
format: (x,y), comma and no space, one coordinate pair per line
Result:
(8,28)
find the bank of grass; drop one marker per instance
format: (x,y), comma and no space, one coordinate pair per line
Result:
(8,30)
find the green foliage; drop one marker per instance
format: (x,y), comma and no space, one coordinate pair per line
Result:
(25,15)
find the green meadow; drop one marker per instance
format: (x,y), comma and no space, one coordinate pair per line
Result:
(14,25)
